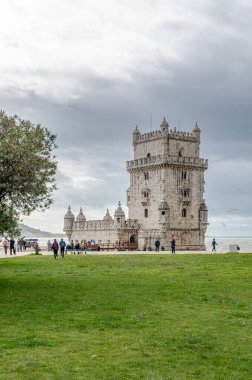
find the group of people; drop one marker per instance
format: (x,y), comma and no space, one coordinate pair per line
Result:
(158,244)
(55,247)
(9,244)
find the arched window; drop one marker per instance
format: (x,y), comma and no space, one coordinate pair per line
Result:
(181,152)
(184,174)
(146,213)
(146,176)
(184,213)
(148,154)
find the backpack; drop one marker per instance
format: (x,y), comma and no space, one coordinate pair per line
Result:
(62,244)
(5,243)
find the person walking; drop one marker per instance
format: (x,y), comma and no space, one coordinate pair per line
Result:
(157,245)
(173,246)
(49,246)
(55,248)
(62,248)
(214,245)
(12,246)
(5,244)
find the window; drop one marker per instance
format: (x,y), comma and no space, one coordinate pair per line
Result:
(148,154)
(146,213)
(146,194)
(128,198)
(185,193)
(146,176)
(181,152)
(163,212)
(184,174)
(184,213)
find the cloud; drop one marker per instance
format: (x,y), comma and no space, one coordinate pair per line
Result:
(90,71)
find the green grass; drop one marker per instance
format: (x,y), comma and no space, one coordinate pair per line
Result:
(150,317)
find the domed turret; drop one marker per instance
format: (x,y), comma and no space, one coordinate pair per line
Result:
(136,135)
(196,131)
(68,222)
(81,217)
(107,216)
(164,126)
(69,218)
(119,216)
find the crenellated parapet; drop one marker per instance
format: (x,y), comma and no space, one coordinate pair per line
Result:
(174,160)
(165,131)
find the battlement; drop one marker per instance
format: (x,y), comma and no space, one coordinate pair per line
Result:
(172,134)
(170,160)
(180,135)
(94,224)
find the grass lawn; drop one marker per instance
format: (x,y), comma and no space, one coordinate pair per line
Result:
(150,317)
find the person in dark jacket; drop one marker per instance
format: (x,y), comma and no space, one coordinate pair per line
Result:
(55,248)
(12,246)
(62,248)
(173,246)
(157,245)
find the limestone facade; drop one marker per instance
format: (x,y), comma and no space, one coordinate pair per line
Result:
(165,198)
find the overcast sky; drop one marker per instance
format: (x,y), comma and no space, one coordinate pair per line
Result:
(91,70)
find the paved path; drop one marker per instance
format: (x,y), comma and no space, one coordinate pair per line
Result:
(45,253)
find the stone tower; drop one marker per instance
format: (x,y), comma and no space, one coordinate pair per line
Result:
(167,187)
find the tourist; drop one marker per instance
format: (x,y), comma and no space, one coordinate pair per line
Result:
(12,246)
(77,246)
(214,245)
(5,244)
(62,248)
(157,245)
(55,247)
(49,246)
(173,246)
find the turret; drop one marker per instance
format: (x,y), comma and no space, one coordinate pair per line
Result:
(203,213)
(80,219)
(68,223)
(119,216)
(196,132)
(164,126)
(136,135)
(107,217)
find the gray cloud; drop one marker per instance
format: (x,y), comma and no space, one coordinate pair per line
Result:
(192,64)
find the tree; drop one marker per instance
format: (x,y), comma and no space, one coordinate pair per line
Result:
(27,170)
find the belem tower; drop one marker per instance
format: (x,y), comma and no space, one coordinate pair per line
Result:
(165,198)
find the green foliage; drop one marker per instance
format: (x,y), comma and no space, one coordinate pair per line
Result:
(9,221)
(150,317)
(27,166)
